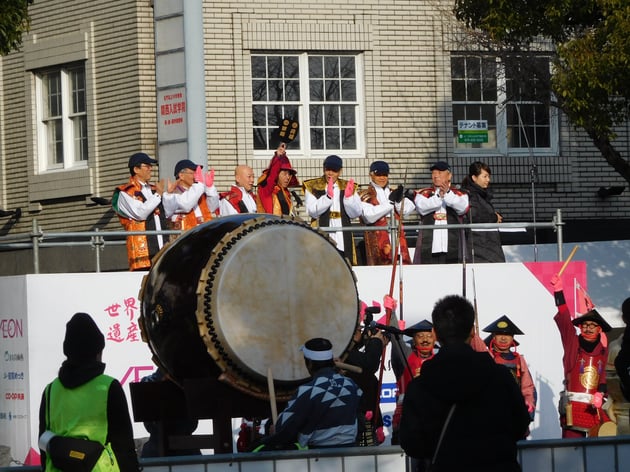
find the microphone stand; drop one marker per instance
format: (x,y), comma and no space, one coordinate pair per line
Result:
(533,177)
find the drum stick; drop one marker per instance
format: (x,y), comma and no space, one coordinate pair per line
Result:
(566,263)
(272,397)
(349,367)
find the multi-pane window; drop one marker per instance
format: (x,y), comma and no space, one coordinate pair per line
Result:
(474,93)
(333,99)
(275,95)
(320,91)
(528,120)
(62,118)
(507,97)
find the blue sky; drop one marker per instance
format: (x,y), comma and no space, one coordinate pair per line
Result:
(607,265)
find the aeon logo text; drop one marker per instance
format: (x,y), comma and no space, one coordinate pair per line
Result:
(11,328)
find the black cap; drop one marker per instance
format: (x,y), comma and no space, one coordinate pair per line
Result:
(440,165)
(502,326)
(379,168)
(423,325)
(317,349)
(185,164)
(593,315)
(140,158)
(333,163)
(83,339)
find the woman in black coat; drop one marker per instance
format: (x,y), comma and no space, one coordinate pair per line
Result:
(483,245)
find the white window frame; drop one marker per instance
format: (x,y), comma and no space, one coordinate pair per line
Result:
(304,103)
(67,117)
(501,104)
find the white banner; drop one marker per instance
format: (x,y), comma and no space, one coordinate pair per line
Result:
(35,310)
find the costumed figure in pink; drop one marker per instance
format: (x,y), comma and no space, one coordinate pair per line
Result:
(423,349)
(584,361)
(273,194)
(502,347)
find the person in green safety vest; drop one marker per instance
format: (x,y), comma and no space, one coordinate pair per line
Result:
(83,403)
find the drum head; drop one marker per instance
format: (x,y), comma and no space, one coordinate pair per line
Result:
(269,286)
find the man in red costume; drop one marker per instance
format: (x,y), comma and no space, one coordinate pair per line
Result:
(422,350)
(281,203)
(502,347)
(378,203)
(584,361)
(273,187)
(423,344)
(240,198)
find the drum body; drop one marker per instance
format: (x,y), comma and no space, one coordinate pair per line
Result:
(239,295)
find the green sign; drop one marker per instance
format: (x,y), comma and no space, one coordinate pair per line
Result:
(472,131)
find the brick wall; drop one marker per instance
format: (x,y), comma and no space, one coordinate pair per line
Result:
(407,116)
(119,63)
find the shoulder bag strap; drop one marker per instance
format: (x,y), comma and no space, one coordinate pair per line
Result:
(448,419)
(48,389)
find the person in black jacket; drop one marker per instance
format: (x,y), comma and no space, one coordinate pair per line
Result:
(159,431)
(622,361)
(489,415)
(366,354)
(483,245)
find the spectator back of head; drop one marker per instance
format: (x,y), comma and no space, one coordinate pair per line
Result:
(453,318)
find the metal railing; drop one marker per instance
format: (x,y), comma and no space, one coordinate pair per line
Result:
(605,454)
(98,239)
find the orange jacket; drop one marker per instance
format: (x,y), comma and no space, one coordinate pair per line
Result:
(139,249)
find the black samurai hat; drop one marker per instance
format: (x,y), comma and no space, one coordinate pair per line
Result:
(502,326)
(594,316)
(423,325)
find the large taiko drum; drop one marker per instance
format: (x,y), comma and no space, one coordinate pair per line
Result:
(239,295)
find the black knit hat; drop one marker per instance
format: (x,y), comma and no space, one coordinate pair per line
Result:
(83,339)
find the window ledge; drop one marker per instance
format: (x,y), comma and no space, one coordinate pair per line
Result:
(60,184)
